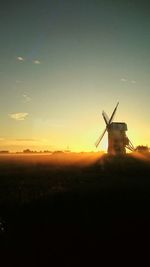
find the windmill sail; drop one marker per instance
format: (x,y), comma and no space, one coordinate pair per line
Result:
(100,138)
(113,114)
(108,122)
(106,119)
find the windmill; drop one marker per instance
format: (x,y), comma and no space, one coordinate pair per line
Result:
(117,139)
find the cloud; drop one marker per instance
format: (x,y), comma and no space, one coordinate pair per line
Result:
(133,81)
(19,81)
(126,80)
(18,116)
(36,62)
(20,58)
(123,80)
(27,140)
(45,124)
(26,98)
(1,139)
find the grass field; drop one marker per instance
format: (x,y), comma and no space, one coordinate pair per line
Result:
(72,204)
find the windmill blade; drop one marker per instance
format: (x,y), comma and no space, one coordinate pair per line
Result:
(113,114)
(100,138)
(106,119)
(131,145)
(130,148)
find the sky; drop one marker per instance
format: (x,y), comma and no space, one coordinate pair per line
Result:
(63,62)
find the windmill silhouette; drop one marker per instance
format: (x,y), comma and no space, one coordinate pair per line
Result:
(117,138)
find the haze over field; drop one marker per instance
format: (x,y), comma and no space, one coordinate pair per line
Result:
(63,62)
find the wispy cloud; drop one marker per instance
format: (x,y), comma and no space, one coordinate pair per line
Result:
(123,80)
(26,98)
(41,123)
(26,140)
(36,62)
(21,116)
(133,81)
(126,80)
(19,81)
(20,59)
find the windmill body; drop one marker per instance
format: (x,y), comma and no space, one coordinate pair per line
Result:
(117,139)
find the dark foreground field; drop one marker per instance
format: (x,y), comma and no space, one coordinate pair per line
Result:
(74,209)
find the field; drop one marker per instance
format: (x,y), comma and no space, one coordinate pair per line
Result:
(68,207)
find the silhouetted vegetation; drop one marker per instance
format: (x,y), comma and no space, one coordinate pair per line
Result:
(4,152)
(55,203)
(142,149)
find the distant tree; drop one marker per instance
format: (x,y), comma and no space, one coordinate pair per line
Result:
(58,152)
(142,149)
(27,151)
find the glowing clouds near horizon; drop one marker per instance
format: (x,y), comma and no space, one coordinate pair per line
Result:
(21,116)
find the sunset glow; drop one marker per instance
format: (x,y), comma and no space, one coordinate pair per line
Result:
(64,64)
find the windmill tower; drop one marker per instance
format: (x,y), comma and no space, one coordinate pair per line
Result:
(117,139)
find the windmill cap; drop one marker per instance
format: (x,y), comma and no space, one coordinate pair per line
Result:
(120,126)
